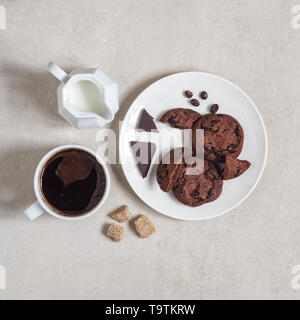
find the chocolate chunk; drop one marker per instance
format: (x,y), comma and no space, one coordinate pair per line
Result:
(144,153)
(178,189)
(195,102)
(195,193)
(214,108)
(237,131)
(203,95)
(146,122)
(173,122)
(188,94)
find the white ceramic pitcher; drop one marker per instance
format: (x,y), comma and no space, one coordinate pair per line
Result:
(108,97)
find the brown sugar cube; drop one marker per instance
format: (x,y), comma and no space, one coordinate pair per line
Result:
(121,215)
(144,226)
(115,232)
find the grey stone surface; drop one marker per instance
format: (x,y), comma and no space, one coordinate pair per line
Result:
(248,253)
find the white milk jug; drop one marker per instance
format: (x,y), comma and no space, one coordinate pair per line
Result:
(87,98)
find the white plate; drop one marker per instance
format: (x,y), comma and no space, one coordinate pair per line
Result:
(167,93)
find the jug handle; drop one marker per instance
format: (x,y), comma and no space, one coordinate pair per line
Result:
(57,71)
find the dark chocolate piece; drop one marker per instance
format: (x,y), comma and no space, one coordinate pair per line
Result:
(144,153)
(146,122)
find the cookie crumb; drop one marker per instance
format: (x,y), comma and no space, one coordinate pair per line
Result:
(115,232)
(121,215)
(144,226)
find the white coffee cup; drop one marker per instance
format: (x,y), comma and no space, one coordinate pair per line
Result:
(40,206)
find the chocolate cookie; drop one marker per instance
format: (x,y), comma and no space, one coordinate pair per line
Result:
(234,168)
(180,118)
(169,168)
(223,135)
(196,190)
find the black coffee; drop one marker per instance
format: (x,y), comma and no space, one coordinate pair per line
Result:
(73,182)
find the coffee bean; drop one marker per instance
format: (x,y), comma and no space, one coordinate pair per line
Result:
(203,95)
(188,94)
(195,102)
(214,108)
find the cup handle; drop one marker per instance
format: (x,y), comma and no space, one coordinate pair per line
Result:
(34,211)
(57,71)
